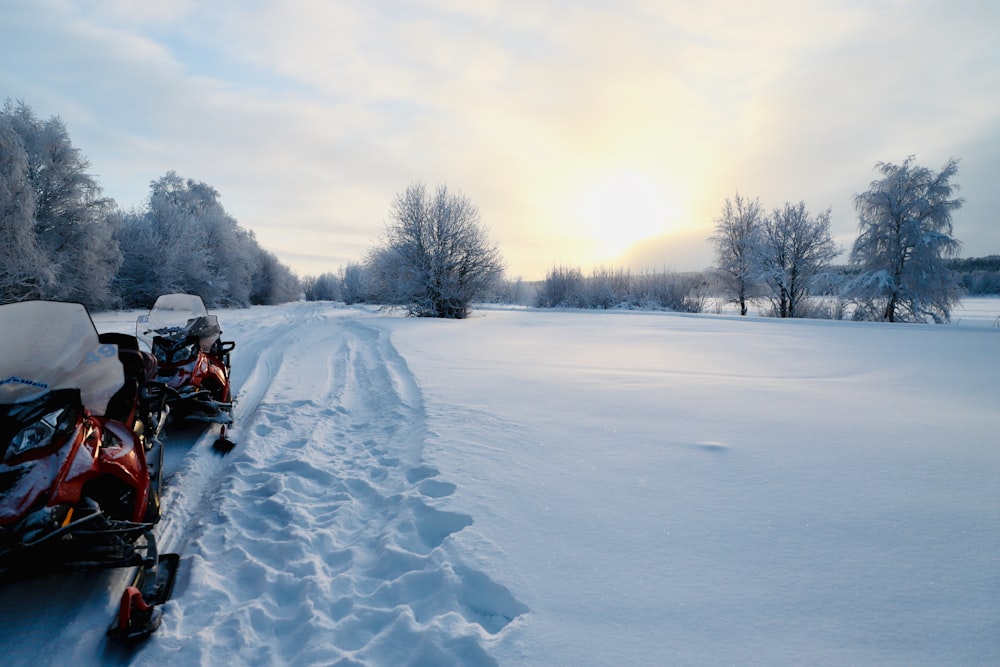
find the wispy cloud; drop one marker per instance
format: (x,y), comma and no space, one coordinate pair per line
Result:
(308,116)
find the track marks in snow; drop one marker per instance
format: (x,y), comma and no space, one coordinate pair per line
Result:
(329,544)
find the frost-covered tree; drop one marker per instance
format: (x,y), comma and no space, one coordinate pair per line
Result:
(563,287)
(272,281)
(735,240)
(352,283)
(793,249)
(138,281)
(905,236)
(184,215)
(324,287)
(185,241)
(515,291)
(349,284)
(74,225)
(567,287)
(23,269)
(435,257)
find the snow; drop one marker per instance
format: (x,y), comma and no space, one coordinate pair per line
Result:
(572,488)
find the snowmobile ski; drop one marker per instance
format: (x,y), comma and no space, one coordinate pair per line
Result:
(223,444)
(139,613)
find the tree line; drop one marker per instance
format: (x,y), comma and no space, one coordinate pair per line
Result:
(61,239)
(901,267)
(899,270)
(978,275)
(434,259)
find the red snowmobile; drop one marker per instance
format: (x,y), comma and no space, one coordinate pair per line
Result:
(192,360)
(79,460)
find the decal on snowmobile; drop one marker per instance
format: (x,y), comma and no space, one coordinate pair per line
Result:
(13,379)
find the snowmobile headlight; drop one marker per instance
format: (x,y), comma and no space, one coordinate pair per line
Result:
(37,434)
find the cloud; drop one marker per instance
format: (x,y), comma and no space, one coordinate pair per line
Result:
(308,116)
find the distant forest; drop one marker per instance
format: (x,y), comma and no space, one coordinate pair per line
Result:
(62,240)
(978,275)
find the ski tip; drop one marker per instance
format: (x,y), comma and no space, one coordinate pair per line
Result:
(137,619)
(136,633)
(139,613)
(223,445)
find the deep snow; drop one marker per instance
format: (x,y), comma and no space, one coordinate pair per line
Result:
(572,488)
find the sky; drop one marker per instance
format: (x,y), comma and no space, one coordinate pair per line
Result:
(588,133)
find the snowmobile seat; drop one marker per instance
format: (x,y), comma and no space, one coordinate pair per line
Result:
(121,406)
(206,330)
(137,364)
(139,367)
(203,326)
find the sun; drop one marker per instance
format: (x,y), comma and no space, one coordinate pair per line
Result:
(624,208)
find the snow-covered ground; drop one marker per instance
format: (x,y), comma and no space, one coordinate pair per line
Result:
(572,488)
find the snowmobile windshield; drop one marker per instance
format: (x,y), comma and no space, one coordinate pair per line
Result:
(176,309)
(174,316)
(47,345)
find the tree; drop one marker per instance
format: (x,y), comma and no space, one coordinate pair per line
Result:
(272,281)
(905,236)
(563,287)
(735,239)
(138,281)
(435,257)
(192,230)
(74,225)
(22,265)
(184,241)
(324,287)
(352,281)
(793,248)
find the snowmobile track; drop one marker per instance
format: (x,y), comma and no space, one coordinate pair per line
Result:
(327,499)
(322,537)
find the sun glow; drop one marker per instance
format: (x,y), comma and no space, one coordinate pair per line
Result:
(622,210)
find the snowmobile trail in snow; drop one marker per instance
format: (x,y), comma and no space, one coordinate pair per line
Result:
(325,543)
(322,537)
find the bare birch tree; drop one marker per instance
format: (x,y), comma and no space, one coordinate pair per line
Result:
(793,249)
(435,257)
(735,239)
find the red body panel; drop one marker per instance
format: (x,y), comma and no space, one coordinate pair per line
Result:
(58,474)
(201,371)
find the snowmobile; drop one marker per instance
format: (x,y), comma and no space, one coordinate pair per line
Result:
(192,360)
(79,458)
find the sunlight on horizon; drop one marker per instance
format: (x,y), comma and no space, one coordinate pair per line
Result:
(621,208)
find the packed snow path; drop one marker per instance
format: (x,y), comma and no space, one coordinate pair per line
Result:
(318,540)
(324,543)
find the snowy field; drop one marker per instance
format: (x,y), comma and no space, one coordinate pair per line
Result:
(572,488)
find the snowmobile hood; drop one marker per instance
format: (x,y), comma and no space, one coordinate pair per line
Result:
(48,345)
